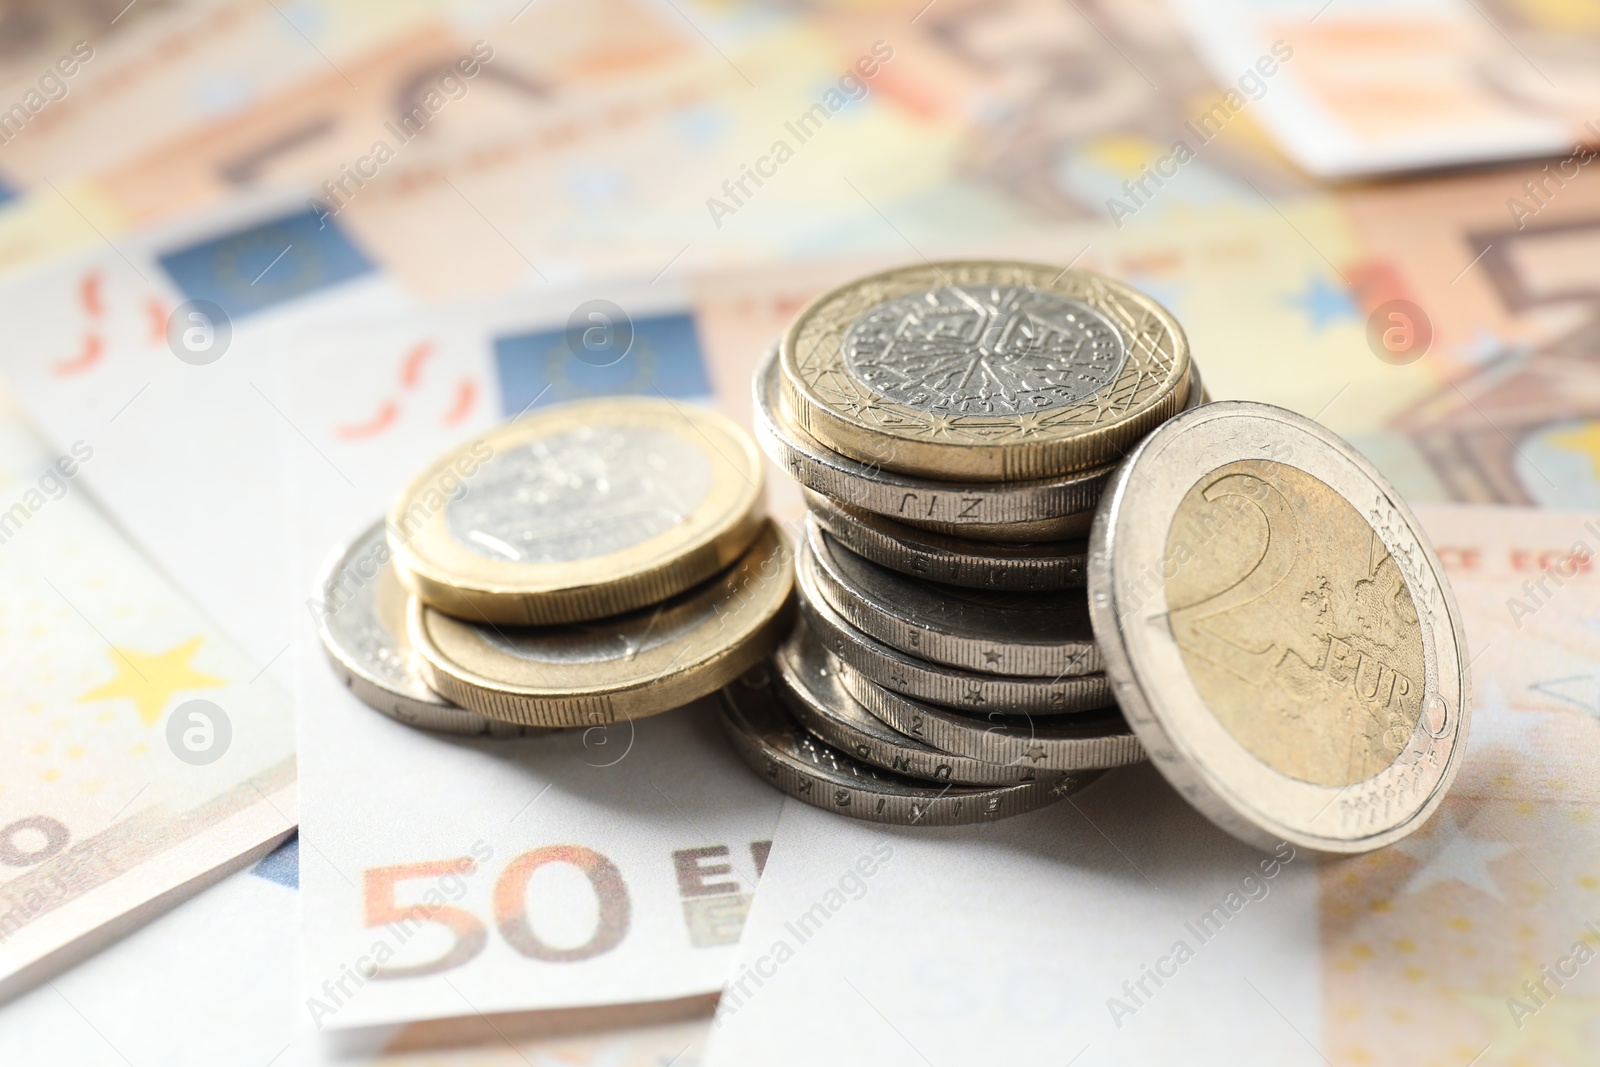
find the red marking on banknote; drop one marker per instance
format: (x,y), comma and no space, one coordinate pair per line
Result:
(466,398)
(93,349)
(156,311)
(1377,281)
(89,294)
(411,369)
(376,425)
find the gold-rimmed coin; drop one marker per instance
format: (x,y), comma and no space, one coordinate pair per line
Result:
(625,667)
(579,512)
(984,370)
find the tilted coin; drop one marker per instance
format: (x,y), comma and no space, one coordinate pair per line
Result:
(993,632)
(818,701)
(949,686)
(941,558)
(984,370)
(1041,509)
(788,757)
(362,622)
(578,512)
(624,667)
(1081,741)
(1279,631)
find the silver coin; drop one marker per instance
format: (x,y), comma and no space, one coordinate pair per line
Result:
(1280,633)
(941,558)
(822,705)
(990,631)
(930,681)
(808,769)
(1051,507)
(1083,741)
(361,622)
(1040,350)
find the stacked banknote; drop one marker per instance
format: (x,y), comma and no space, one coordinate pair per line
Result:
(576,566)
(953,426)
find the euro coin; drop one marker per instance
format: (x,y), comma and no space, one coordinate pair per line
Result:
(361,618)
(818,701)
(1037,510)
(941,558)
(1081,741)
(1279,632)
(949,686)
(979,370)
(624,667)
(579,512)
(981,630)
(808,769)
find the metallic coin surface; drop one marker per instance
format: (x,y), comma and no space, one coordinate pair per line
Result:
(806,768)
(818,701)
(362,623)
(1279,631)
(578,512)
(983,370)
(1040,509)
(940,558)
(949,686)
(623,667)
(1081,741)
(993,632)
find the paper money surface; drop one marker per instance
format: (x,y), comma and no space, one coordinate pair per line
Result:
(1120,927)
(611,865)
(143,751)
(228,961)
(1377,85)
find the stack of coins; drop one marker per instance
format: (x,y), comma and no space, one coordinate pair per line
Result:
(953,426)
(579,565)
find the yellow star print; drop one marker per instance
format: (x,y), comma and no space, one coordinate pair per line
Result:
(149,681)
(1586,440)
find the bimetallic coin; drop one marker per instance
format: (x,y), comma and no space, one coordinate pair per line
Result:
(942,685)
(822,705)
(1279,631)
(1082,741)
(983,370)
(941,558)
(994,632)
(624,667)
(808,769)
(578,512)
(1039,510)
(362,623)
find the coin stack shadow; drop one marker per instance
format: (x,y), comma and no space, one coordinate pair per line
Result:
(610,560)
(943,669)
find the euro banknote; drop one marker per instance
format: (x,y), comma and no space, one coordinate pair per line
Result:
(1367,88)
(1121,927)
(144,752)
